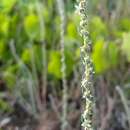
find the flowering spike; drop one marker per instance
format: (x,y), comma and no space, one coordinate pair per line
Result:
(87,80)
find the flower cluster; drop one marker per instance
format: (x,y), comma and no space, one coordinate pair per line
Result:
(87,80)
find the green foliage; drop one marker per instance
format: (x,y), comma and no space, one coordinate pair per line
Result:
(124,24)
(9,75)
(54,66)
(71,30)
(4,106)
(104,55)
(32,26)
(20,21)
(126,45)
(7,5)
(98,28)
(33,53)
(4,22)
(2,50)
(4,57)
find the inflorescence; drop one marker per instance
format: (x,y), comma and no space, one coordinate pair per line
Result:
(87,79)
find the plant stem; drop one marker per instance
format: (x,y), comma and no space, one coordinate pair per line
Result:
(61,9)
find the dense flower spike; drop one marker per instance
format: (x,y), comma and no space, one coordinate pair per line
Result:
(87,80)
(61,10)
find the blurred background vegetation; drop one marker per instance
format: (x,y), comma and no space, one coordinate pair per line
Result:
(30,64)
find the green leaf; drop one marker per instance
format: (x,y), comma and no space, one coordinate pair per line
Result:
(98,28)
(50,4)
(104,56)
(46,14)
(126,45)
(54,65)
(113,54)
(27,56)
(71,30)
(124,24)
(9,76)
(4,23)
(7,5)
(32,26)
(4,52)
(99,60)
